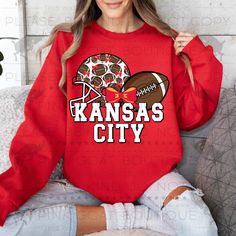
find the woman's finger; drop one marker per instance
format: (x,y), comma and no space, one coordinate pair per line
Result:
(178,44)
(178,50)
(181,40)
(184,38)
(186,34)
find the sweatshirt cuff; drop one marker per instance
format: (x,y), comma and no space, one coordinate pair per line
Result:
(6,207)
(196,47)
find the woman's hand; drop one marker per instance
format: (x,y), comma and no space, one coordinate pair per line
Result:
(182,40)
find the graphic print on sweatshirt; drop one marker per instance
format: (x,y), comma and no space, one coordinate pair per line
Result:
(104,82)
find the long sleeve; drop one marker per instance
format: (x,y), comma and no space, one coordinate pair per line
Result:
(40,139)
(195,109)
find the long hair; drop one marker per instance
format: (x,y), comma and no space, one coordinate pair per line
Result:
(88,10)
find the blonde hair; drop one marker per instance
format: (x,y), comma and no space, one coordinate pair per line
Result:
(87,10)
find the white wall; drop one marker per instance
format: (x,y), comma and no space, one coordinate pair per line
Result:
(25,24)
(12,43)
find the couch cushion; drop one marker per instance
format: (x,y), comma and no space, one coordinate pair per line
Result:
(11,115)
(216,168)
(136,232)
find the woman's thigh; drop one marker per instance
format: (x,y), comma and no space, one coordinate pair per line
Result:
(57,192)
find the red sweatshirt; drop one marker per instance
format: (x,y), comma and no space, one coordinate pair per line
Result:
(128,96)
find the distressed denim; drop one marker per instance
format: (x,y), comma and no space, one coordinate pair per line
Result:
(52,210)
(185,215)
(49,212)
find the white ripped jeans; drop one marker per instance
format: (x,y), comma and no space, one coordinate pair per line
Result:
(52,210)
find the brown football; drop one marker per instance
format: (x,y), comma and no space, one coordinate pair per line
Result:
(151,87)
(100,69)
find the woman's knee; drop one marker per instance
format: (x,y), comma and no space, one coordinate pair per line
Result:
(175,194)
(59,219)
(189,215)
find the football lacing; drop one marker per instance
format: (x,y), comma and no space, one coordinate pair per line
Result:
(146,90)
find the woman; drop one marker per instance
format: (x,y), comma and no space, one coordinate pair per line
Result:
(111,97)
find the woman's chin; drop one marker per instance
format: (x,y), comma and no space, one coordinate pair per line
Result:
(115,15)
